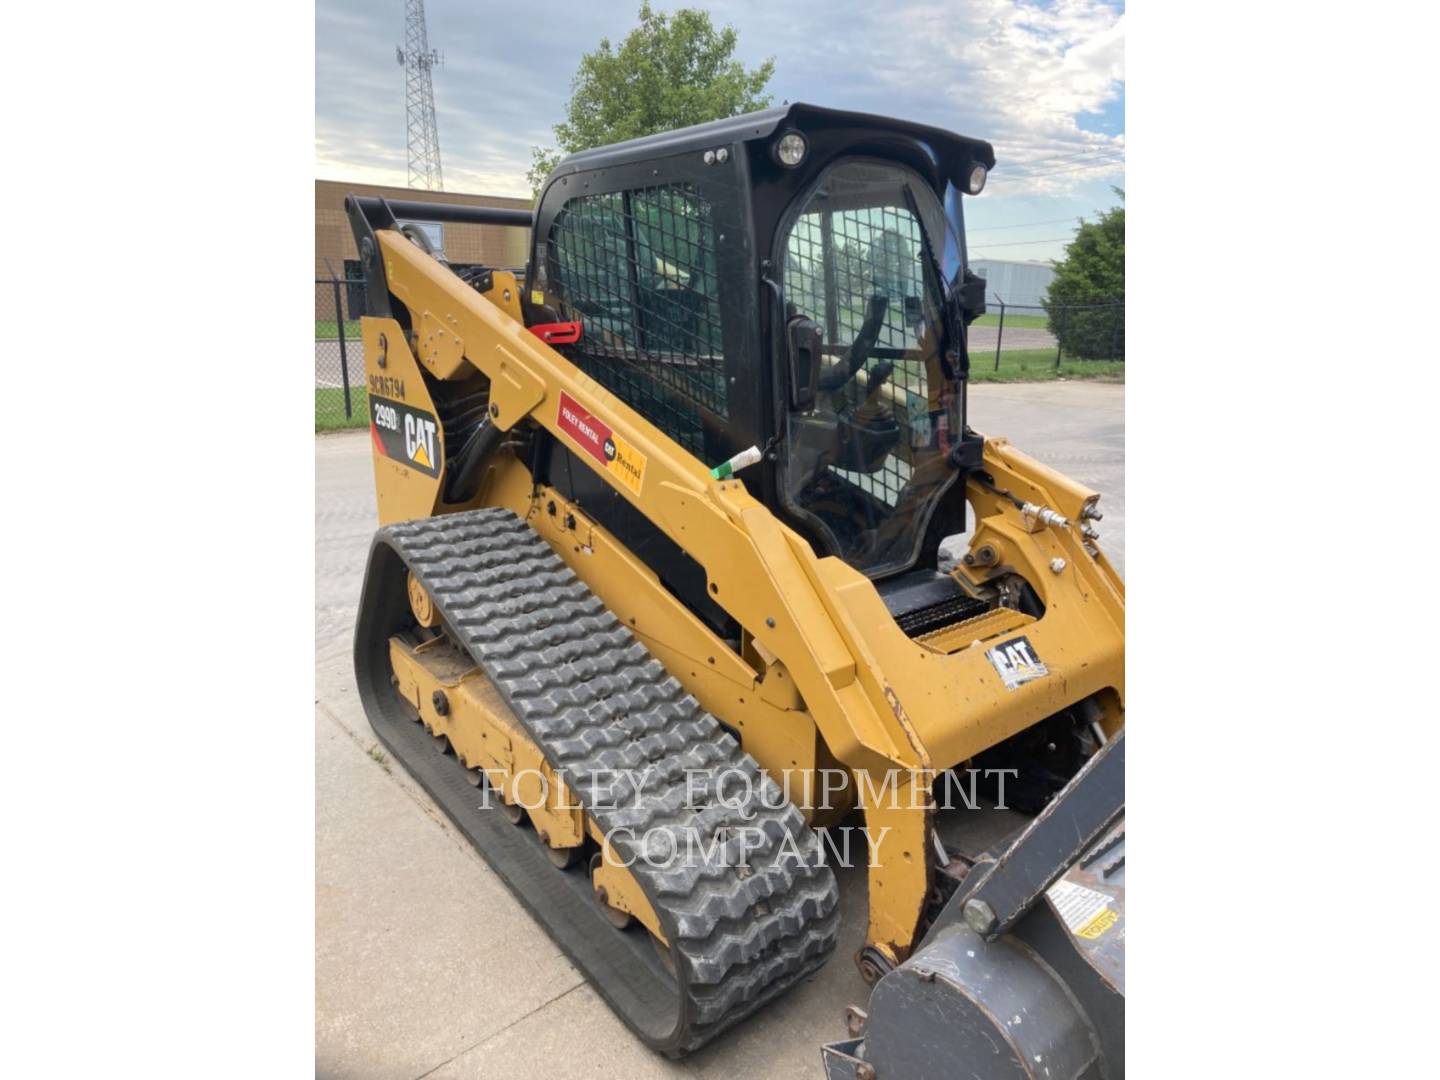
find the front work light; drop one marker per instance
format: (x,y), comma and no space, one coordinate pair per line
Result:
(976,183)
(790,150)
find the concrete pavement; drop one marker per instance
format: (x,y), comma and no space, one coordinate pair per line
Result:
(425,964)
(1074,426)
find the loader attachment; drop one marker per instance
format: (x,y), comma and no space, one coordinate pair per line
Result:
(1023,972)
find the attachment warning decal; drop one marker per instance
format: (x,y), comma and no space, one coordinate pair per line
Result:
(1086,913)
(594,436)
(1016,662)
(404,434)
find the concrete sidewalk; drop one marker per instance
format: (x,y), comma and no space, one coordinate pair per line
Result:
(425,964)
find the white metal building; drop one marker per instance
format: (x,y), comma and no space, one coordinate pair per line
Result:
(1021,283)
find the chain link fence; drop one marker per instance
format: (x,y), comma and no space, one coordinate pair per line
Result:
(1015,341)
(339,355)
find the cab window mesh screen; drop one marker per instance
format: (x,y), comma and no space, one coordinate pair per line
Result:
(868,462)
(638,269)
(837,262)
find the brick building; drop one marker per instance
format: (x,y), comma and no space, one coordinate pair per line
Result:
(463,245)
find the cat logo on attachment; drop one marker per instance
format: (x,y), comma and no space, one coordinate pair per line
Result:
(1016,663)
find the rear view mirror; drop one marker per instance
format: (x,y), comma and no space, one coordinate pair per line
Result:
(803,339)
(970,295)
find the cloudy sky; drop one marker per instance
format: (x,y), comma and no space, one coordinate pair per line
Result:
(1043,81)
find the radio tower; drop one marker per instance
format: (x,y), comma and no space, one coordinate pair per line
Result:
(422,140)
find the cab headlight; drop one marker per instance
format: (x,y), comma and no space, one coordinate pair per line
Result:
(976,182)
(790,150)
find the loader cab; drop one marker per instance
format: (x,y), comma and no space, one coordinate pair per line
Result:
(793,279)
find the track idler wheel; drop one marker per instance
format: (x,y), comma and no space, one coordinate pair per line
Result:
(618,919)
(476,777)
(421,606)
(560,858)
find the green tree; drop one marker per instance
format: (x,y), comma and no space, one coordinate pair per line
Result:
(1092,273)
(669,72)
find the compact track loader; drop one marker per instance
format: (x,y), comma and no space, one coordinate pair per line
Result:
(659,607)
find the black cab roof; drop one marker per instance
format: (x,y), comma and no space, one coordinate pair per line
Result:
(952,152)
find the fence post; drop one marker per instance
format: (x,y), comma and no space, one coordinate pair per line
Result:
(1117,316)
(999,334)
(1064,317)
(340,329)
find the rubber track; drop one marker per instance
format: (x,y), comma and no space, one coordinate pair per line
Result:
(643,757)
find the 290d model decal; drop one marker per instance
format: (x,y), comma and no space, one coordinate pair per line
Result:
(409,436)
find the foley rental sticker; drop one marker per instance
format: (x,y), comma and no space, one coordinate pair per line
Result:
(614,454)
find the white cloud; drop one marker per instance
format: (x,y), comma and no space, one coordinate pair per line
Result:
(1019,75)
(1015,72)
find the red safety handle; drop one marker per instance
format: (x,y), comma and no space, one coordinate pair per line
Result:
(557,333)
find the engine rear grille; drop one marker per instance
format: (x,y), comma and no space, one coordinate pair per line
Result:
(952,610)
(961,635)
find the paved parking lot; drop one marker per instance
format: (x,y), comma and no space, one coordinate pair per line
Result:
(425,965)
